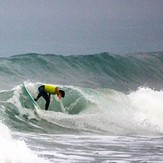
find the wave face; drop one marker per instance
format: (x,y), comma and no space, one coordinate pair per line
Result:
(103,70)
(111,94)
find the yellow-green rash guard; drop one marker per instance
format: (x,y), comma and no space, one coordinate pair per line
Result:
(50,89)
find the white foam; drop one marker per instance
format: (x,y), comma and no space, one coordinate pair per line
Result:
(148,106)
(14,151)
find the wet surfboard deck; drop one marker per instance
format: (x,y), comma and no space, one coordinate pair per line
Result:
(36,106)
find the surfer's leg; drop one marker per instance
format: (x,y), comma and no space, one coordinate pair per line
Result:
(44,95)
(47,99)
(47,104)
(39,95)
(41,91)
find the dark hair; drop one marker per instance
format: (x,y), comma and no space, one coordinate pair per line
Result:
(62,92)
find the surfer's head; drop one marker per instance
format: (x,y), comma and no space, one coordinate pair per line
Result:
(62,93)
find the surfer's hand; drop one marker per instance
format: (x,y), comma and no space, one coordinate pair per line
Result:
(59,96)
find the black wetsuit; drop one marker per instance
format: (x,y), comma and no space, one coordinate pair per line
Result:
(44,94)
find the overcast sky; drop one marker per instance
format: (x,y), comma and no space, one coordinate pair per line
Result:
(80,26)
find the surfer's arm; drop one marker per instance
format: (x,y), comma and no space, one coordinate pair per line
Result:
(57,90)
(58,93)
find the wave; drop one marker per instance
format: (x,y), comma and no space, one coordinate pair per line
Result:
(103,111)
(105,94)
(104,70)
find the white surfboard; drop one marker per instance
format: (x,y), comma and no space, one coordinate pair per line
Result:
(30,97)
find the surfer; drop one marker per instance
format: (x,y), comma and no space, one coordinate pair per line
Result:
(46,90)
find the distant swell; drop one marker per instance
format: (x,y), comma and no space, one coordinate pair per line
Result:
(99,70)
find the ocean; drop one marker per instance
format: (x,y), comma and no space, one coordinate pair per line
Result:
(112,110)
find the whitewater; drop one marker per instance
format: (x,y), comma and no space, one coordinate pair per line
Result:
(112,110)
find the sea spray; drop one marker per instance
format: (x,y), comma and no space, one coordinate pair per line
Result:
(15,150)
(148,105)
